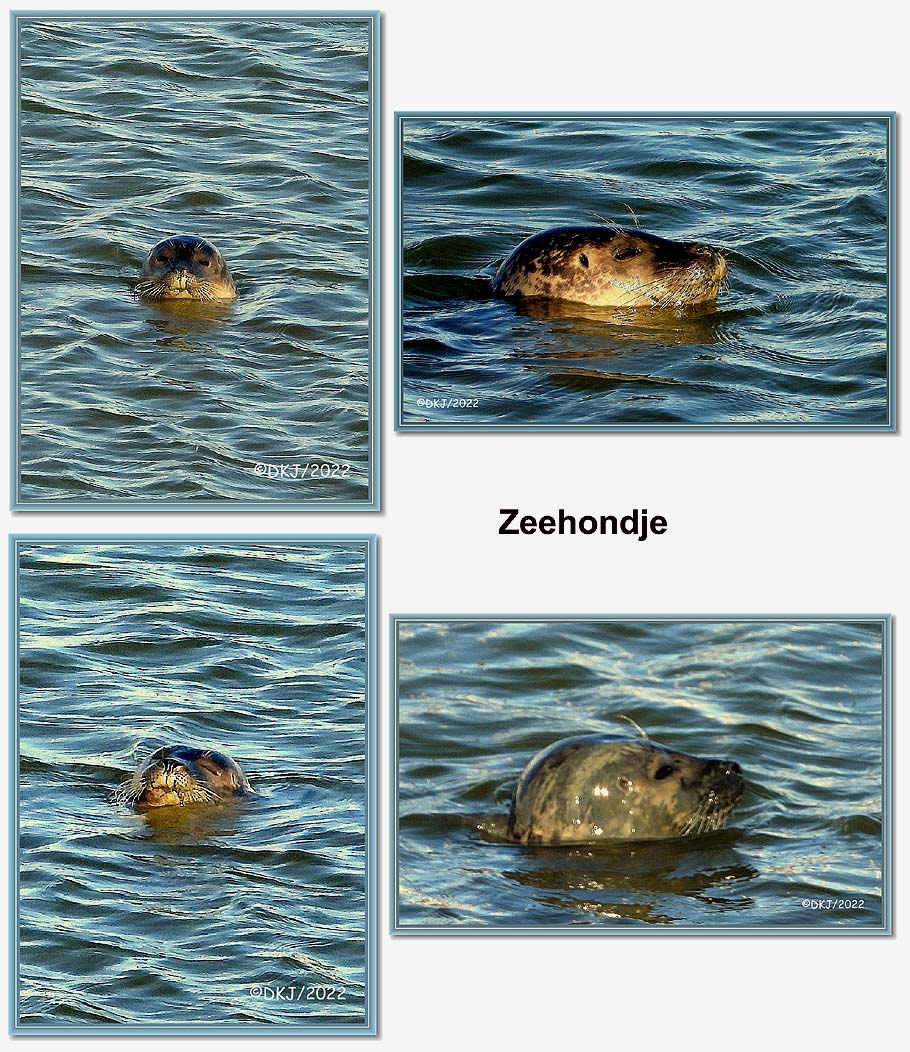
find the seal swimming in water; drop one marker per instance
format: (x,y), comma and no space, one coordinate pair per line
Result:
(183,267)
(608,266)
(178,775)
(599,787)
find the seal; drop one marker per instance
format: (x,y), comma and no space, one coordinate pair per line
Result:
(179,775)
(609,266)
(599,787)
(183,267)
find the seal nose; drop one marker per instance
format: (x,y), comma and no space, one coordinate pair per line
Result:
(178,277)
(712,257)
(727,769)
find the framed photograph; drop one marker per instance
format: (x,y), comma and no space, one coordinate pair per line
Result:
(193,785)
(195,282)
(646,272)
(641,775)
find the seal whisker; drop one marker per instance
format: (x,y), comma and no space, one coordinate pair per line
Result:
(628,719)
(633,215)
(126,793)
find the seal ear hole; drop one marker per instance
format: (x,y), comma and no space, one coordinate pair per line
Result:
(583,259)
(663,772)
(627,253)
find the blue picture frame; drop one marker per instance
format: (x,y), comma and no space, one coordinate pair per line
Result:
(364,546)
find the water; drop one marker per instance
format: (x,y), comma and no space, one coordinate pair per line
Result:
(255,134)
(257,649)
(798,206)
(797,705)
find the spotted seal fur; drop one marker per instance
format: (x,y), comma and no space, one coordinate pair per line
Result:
(601,787)
(610,266)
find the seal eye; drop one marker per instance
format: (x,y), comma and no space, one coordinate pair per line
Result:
(627,253)
(205,262)
(663,772)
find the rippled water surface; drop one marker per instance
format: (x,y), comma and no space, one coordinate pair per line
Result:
(186,917)
(798,206)
(799,706)
(256,135)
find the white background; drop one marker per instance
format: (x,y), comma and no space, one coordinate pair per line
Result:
(758,524)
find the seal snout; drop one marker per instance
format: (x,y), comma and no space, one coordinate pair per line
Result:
(708,257)
(727,778)
(168,773)
(179,277)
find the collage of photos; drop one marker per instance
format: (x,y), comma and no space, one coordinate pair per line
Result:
(203,841)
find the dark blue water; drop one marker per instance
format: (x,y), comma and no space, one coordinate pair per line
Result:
(252,133)
(798,706)
(256,649)
(798,206)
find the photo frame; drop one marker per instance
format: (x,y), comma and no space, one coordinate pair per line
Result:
(193,785)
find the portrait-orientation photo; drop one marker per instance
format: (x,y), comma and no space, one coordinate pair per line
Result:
(641,775)
(646,272)
(193,776)
(196,289)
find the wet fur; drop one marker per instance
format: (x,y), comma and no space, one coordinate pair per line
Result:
(189,775)
(610,266)
(184,267)
(599,787)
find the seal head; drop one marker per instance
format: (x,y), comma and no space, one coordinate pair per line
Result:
(607,266)
(600,787)
(179,775)
(184,267)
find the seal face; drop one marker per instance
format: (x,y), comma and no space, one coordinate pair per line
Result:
(183,267)
(606,266)
(178,775)
(599,787)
